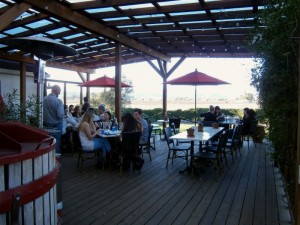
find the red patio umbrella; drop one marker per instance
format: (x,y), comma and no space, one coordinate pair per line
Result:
(196,78)
(103,82)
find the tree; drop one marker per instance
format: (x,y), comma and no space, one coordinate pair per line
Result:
(108,96)
(276,80)
(249,97)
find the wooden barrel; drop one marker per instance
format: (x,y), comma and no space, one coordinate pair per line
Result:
(28,174)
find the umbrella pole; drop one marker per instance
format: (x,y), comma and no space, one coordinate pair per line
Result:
(195,103)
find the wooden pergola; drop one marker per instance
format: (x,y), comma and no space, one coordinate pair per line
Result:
(113,33)
(110,33)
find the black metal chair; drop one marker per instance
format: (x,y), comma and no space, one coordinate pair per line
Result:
(85,154)
(145,147)
(182,149)
(208,123)
(175,124)
(239,139)
(231,143)
(211,153)
(129,149)
(251,133)
(156,130)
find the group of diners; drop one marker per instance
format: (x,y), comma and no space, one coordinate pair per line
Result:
(214,114)
(89,131)
(83,119)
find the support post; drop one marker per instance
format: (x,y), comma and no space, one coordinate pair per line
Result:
(297,178)
(118,74)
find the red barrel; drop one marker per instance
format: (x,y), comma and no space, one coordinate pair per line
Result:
(28,174)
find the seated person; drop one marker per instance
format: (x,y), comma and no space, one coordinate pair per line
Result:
(130,124)
(77,113)
(249,115)
(210,115)
(107,123)
(69,124)
(137,113)
(71,108)
(218,114)
(88,134)
(68,120)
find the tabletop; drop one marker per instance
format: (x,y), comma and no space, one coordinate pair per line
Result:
(110,133)
(163,121)
(208,133)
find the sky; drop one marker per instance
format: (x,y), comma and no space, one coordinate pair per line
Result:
(148,84)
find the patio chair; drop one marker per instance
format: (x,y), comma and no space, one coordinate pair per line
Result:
(145,147)
(175,124)
(176,151)
(156,130)
(251,133)
(211,154)
(231,143)
(85,154)
(208,123)
(238,139)
(129,149)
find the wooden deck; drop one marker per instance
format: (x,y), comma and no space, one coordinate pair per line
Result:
(250,191)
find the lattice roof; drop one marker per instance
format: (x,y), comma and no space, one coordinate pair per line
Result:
(145,29)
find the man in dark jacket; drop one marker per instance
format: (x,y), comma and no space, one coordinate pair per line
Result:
(210,115)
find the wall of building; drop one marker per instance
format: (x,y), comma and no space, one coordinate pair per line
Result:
(10,79)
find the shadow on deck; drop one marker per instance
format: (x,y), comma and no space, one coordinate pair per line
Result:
(250,191)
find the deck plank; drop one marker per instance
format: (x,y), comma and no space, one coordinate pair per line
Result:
(246,193)
(231,204)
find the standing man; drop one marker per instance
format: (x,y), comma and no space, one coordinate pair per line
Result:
(54,114)
(86,105)
(137,113)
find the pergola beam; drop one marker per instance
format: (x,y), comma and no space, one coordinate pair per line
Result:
(8,17)
(78,19)
(109,3)
(26,59)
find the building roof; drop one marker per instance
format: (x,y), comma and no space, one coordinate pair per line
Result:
(139,29)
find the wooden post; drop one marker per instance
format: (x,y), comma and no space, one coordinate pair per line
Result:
(297,178)
(65,93)
(118,73)
(87,88)
(164,90)
(23,91)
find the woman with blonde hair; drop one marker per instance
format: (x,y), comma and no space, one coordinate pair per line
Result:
(88,134)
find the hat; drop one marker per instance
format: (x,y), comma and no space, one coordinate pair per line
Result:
(102,107)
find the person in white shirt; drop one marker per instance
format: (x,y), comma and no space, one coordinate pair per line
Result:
(68,120)
(89,135)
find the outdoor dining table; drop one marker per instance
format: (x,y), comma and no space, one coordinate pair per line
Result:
(207,134)
(228,124)
(164,122)
(109,133)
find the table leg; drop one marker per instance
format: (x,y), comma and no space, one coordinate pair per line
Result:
(164,124)
(189,168)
